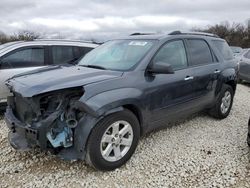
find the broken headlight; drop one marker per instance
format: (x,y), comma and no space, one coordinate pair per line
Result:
(61,104)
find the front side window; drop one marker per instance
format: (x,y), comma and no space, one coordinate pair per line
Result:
(200,53)
(62,54)
(85,50)
(117,55)
(28,57)
(173,53)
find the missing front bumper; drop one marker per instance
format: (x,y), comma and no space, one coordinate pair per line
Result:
(21,137)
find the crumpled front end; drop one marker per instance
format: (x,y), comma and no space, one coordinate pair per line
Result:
(48,121)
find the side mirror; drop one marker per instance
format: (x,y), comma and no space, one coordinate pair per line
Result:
(161,68)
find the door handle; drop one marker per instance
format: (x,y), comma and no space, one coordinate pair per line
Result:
(188,78)
(216,71)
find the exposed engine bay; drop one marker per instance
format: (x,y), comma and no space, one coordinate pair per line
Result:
(67,116)
(47,120)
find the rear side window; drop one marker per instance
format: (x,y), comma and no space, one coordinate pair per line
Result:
(199,51)
(28,57)
(62,54)
(224,49)
(77,52)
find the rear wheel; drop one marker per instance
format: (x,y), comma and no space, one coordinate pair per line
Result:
(224,103)
(113,141)
(248,135)
(248,140)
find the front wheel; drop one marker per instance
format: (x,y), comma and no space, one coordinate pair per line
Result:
(224,103)
(113,141)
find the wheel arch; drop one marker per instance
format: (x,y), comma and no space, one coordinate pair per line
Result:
(232,83)
(229,77)
(104,104)
(89,122)
(136,111)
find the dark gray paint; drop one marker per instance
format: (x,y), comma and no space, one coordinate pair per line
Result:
(156,98)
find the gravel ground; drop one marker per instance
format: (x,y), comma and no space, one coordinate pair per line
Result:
(200,152)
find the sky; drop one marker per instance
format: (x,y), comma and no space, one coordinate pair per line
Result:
(100,18)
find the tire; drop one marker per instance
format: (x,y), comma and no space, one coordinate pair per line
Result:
(248,134)
(96,148)
(217,111)
(248,140)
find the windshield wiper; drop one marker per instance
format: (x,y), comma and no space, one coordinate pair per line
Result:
(94,66)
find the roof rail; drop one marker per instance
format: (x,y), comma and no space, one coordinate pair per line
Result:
(133,34)
(193,33)
(66,40)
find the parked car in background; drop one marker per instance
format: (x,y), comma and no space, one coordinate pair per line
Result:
(236,50)
(244,66)
(21,56)
(97,110)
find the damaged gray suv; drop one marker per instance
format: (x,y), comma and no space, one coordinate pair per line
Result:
(98,109)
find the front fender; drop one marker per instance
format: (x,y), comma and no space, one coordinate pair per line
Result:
(98,107)
(102,103)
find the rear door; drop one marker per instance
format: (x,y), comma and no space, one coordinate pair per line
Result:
(19,61)
(206,70)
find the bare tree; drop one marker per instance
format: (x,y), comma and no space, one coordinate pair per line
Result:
(236,34)
(27,35)
(21,35)
(3,37)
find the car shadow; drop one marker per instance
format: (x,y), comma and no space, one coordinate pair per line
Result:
(179,122)
(245,83)
(2,111)
(1,114)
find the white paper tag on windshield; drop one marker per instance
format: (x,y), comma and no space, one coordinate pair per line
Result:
(137,43)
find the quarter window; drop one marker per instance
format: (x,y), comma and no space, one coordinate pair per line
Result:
(247,55)
(200,53)
(224,49)
(29,57)
(173,53)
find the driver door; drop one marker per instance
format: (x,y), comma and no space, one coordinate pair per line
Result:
(171,94)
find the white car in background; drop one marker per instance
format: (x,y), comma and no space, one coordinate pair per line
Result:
(236,50)
(244,65)
(21,56)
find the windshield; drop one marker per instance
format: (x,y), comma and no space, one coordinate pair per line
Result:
(117,55)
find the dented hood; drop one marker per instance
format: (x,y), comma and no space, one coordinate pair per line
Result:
(56,78)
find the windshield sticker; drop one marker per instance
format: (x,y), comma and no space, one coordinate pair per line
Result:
(137,43)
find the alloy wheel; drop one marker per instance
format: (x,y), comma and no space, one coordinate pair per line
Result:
(116,141)
(226,102)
